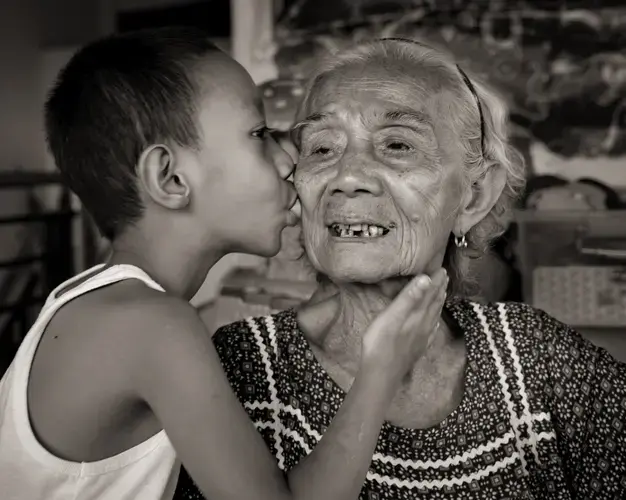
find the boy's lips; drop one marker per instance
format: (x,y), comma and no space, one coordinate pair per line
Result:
(292,219)
(295,212)
(295,205)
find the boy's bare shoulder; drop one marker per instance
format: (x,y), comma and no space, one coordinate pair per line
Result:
(144,332)
(163,343)
(131,322)
(141,310)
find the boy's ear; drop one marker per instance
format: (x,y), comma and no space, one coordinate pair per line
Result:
(163,182)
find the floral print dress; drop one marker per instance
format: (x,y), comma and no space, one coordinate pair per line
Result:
(543,414)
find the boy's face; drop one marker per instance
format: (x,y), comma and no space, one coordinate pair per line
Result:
(239,192)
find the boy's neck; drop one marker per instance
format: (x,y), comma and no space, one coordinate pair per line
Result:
(180,272)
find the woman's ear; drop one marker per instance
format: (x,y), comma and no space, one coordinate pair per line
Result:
(479,199)
(163,182)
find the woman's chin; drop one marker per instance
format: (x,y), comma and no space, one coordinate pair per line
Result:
(357,275)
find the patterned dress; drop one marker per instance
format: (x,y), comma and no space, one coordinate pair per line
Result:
(543,414)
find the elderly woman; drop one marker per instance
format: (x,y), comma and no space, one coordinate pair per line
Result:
(404,167)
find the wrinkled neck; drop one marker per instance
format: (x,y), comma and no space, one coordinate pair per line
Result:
(358,306)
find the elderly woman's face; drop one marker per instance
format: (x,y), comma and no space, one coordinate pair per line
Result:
(378,176)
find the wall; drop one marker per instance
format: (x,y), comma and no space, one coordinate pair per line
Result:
(109,8)
(69,22)
(144,4)
(26,28)
(21,135)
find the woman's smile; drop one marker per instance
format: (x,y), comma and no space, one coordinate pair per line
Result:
(357,231)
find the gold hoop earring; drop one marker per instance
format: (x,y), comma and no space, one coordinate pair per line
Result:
(460,241)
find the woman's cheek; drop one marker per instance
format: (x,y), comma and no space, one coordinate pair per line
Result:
(290,148)
(306,189)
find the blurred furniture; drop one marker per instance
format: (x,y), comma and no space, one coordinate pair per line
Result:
(45,258)
(245,292)
(573,265)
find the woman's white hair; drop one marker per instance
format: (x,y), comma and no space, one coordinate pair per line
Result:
(480,152)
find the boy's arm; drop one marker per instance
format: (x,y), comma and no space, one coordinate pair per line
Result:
(180,376)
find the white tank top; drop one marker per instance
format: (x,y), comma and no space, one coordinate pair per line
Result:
(148,471)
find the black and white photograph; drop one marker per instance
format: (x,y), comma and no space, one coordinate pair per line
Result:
(312,250)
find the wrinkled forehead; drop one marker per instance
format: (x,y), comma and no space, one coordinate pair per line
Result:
(401,86)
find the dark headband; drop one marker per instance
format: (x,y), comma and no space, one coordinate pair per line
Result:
(465,79)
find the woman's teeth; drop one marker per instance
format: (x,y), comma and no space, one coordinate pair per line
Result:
(358,230)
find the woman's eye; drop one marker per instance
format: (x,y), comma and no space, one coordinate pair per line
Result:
(398,146)
(322,145)
(321,151)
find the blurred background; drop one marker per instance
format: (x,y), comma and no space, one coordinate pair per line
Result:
(560,64)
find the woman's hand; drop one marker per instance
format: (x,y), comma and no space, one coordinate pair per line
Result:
(401,333)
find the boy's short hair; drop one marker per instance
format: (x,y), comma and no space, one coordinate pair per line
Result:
(114,98)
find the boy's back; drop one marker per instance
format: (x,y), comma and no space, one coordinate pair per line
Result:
(69,419)
(79,381)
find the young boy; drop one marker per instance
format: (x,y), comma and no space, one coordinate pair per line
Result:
(162,137)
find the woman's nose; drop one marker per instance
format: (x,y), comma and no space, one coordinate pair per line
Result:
(352,180)
(282,160)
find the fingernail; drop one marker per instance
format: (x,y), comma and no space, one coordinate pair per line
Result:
(424,282)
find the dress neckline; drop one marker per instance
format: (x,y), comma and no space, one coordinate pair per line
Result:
(456,316)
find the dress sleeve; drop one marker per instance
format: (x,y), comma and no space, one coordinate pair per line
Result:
(588,405)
